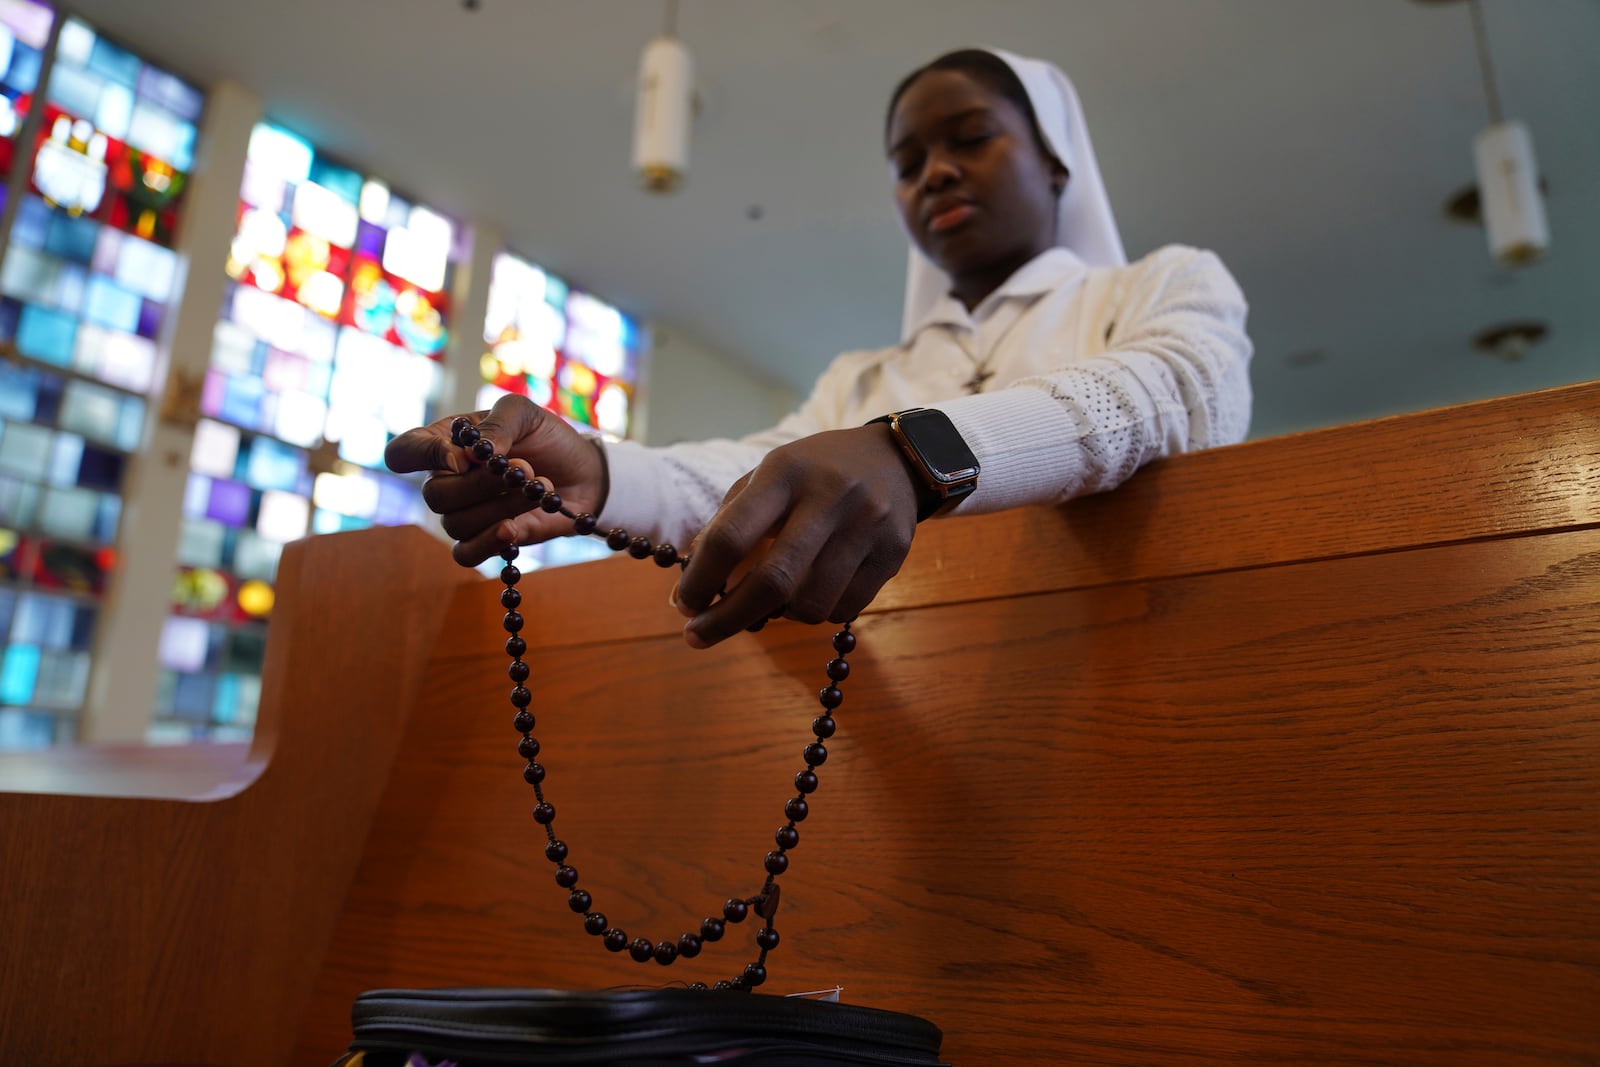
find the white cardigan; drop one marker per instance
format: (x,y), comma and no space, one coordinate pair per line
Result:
(1096,372)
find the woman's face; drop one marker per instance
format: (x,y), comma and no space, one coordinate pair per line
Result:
(975,189)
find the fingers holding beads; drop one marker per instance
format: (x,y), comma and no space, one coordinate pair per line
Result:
(483,470)
(448,494)
(428,448)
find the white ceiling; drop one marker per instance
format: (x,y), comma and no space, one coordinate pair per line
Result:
(1312,143)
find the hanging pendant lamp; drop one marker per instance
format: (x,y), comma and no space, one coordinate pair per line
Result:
(1508,173)
(664,112)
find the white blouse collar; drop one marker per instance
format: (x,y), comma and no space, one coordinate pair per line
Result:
(1054,268)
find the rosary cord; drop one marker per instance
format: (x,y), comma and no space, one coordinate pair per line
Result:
(735,910)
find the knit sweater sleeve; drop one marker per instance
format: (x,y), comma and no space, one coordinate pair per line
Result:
(1175,378)
(671,492)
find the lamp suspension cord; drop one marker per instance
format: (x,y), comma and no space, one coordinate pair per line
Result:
(1480,33)
(672,18)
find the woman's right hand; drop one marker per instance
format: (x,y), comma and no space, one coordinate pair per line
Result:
(477,509)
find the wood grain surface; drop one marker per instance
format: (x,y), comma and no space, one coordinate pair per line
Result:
(1312,782)
(139,928)
(1281,753)
(1499,468)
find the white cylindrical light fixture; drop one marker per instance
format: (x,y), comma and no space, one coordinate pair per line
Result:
(664,114)
(1508,191)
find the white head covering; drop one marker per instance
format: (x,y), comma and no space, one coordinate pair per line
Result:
(1084,223)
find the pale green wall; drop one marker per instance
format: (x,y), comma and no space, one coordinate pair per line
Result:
(692,393)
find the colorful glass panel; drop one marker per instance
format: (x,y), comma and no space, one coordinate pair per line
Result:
(567,351)
(329,344)
(88,274)
(24,33)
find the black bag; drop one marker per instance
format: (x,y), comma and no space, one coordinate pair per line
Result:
(640,1028)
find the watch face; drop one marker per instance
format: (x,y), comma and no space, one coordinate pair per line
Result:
(944,454)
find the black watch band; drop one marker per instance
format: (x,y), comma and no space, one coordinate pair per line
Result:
(937,455)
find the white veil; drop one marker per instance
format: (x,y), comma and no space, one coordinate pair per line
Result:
(1084,223)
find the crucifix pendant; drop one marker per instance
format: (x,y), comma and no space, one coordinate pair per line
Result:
(980,375)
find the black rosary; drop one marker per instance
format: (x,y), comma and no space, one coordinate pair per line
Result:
(764,904)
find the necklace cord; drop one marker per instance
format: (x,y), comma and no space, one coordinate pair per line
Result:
(764,904)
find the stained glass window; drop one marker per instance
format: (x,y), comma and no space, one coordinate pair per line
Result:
(24,34)
(566,350)
(88,275)
(329,344)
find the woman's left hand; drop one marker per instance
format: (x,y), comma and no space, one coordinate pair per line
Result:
(840,509)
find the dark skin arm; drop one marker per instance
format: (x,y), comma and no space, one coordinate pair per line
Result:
(840,509)
(817,527)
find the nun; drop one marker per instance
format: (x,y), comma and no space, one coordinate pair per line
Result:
(1035,365)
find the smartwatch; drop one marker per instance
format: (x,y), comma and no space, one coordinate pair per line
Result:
(938,457)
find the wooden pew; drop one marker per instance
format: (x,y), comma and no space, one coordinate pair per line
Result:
(1284,752)
(1281,753)
(172,905)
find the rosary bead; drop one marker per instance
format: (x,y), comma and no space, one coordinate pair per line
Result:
(482,449)
(469,436)
(722,986)
(459,425)
(514,477)
(796,808)
(498,464)
(698,987)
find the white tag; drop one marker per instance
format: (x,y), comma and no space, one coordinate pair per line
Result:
(830,995)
